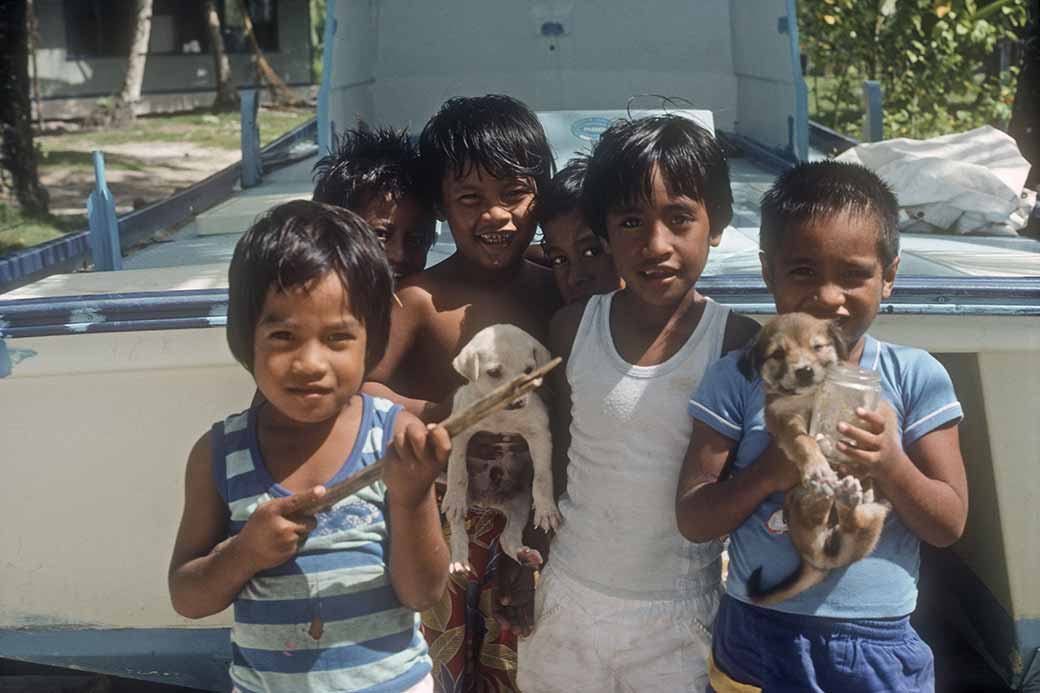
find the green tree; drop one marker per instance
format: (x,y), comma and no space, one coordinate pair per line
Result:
(937,61)
(17,152)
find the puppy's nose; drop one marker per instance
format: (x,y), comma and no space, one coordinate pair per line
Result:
(804,375)
(496,475)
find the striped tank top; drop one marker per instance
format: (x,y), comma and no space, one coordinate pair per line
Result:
(336,588)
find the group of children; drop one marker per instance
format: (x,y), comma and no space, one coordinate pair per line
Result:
(660,450)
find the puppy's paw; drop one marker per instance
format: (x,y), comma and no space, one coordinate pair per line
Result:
(460,567)
(546,516)
(529,558)
(822,481)
(459,542)
(849,491)
(454,506)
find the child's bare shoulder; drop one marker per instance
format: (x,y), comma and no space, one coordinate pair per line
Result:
(564,327)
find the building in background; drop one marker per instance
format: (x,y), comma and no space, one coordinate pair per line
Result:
(83,44)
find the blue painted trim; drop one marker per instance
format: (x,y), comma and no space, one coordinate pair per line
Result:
(874,123)
(34,260)
(326,128)
(105,248)
(132,312)
(800,143)
(6,362)
(195,657)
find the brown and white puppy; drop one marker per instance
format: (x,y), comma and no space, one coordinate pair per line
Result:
(832,521)
(494,356)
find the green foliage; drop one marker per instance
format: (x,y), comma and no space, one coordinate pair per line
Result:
(937,61)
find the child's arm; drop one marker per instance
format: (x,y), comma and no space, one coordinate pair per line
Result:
(207,570)
(707,508)
(926,484)
(406,321)
(418,553)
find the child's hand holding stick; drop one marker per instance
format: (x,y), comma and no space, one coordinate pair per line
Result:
(454,424)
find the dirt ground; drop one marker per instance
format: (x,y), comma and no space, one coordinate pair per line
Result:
(138,173)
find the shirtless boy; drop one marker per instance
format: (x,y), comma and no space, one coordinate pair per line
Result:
(485,158)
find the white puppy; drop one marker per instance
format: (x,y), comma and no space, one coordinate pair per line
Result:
(494,356)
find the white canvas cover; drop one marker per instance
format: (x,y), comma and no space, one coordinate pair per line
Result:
(964,183)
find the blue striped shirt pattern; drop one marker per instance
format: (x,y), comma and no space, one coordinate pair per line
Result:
(340,578)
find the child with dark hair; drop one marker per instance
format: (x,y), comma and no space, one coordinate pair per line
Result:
(579,259)
(486,159)
(830,248)
(624,603)
(316,604)
(375,173)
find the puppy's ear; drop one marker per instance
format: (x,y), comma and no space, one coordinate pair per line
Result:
(541,354)
(750,361)
(841,347)
(467,364)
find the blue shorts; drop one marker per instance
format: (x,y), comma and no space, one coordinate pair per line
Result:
(774,651)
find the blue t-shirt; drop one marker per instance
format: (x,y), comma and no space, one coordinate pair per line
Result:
(884,584)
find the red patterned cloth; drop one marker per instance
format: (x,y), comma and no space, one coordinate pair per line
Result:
(470,651)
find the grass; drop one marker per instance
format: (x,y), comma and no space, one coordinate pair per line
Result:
(18,231)
(202,128)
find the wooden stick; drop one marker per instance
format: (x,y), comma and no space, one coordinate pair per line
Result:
(455,424)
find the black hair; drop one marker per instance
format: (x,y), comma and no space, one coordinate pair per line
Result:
(294,244)
(367,162)
(497,133)
(620,171)
(563,193)
(818,189)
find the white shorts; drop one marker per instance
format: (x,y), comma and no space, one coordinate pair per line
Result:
(588,641)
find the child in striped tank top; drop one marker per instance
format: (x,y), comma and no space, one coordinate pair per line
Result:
(316,604)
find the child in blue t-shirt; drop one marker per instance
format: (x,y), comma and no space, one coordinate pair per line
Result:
(829,247)
(323,601)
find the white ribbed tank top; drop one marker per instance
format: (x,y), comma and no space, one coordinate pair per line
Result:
(629,433)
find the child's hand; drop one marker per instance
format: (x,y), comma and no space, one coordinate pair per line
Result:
(414,460)
(277,529)
(875,444)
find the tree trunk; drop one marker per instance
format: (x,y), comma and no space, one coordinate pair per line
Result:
(227,95)
(125,109)
(17,153)
(281,92)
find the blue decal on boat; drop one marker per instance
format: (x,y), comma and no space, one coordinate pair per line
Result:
(80,319)
(589,129)
(9,358)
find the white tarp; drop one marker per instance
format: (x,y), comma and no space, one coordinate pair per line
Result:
(967,182)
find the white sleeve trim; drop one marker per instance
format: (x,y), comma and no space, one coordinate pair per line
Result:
(935,413)
(725,422)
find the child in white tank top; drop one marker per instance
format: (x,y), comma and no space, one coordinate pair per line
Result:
(625,602)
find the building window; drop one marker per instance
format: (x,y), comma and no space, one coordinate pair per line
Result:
(104,28)
(264,15)
(98,28)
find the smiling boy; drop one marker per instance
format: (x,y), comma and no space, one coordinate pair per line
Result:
(830,248)
(485,158)
(375,173)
